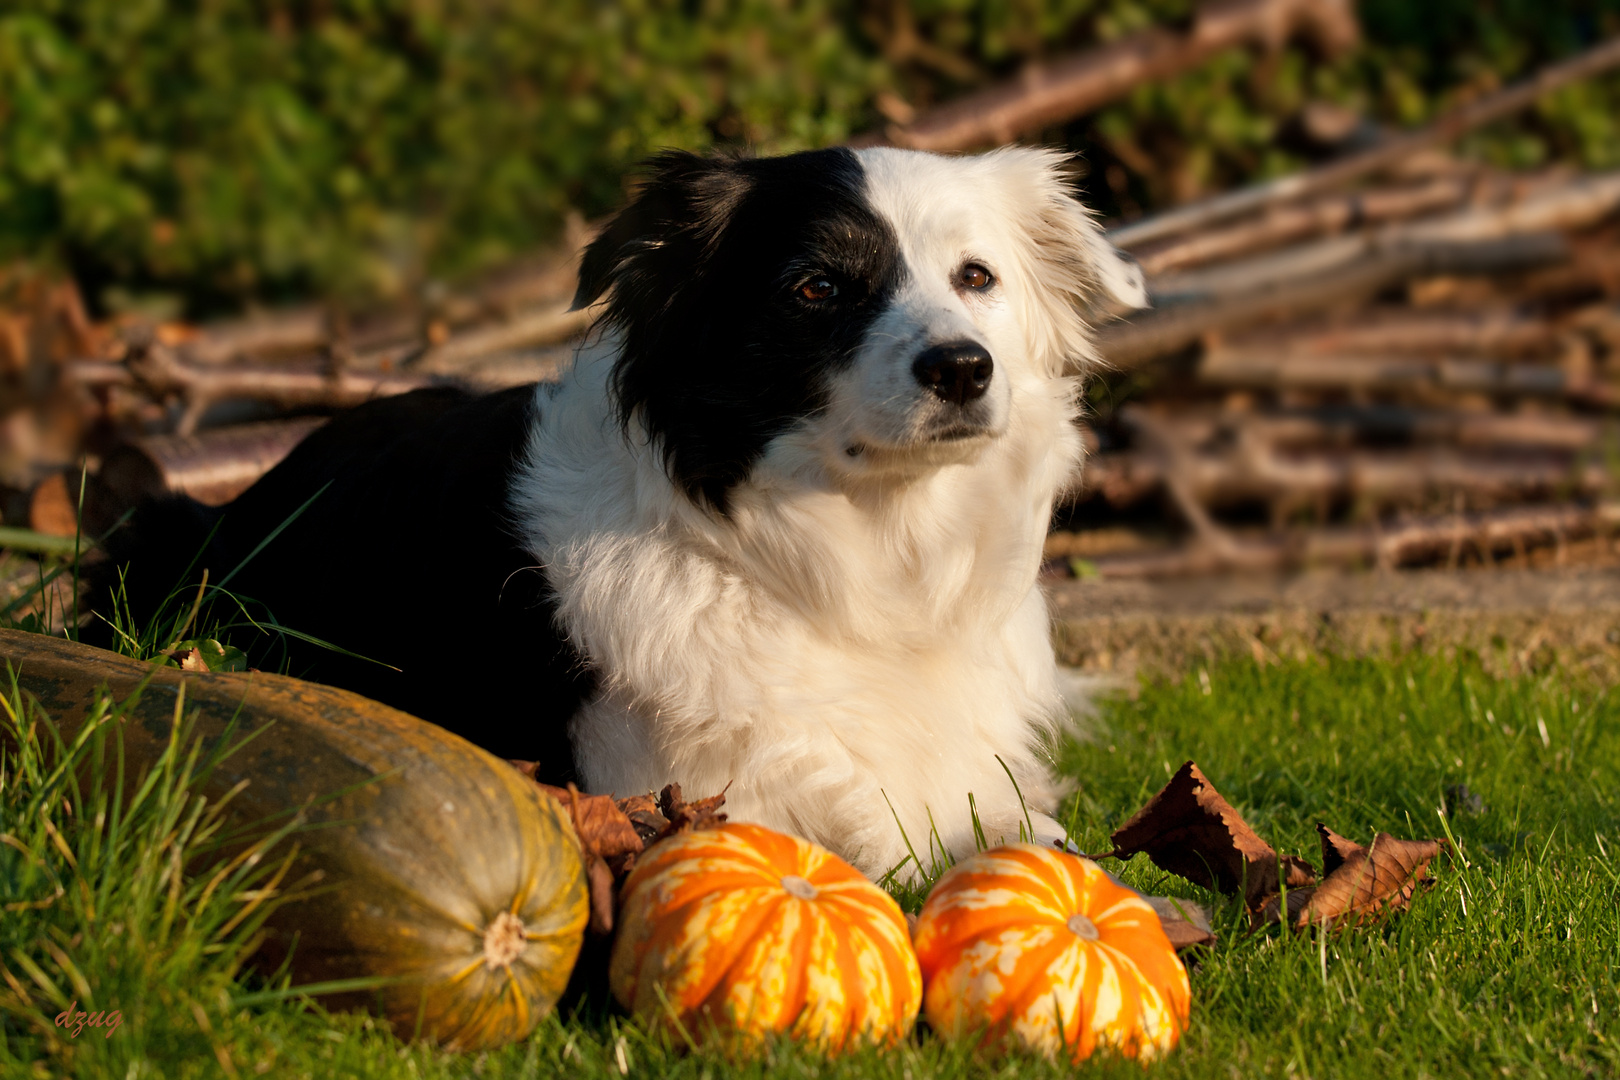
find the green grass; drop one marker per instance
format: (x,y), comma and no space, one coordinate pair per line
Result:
(132,903)
(44,595)
(1509,966)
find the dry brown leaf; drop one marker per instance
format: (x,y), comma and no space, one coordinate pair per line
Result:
(1184,935)
(642,810)
(193,661)
(1185,923)
(1359,883)
(603,828)
(1336,849)
(603,825)
(605,835)
(608,842)
(613,832)
(599,883)
(685,816)
(1190,830)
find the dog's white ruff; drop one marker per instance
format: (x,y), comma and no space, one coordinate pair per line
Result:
(862,630)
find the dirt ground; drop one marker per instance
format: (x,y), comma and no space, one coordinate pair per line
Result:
(1517,619)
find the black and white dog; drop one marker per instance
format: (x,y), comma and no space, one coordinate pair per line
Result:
(778,528)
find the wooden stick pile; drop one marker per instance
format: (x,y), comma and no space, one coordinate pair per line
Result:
(1395,358)
(1421,366)
(205,411)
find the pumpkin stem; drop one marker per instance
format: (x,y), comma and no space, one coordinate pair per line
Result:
(799,887)
(1083,927)
(504,940)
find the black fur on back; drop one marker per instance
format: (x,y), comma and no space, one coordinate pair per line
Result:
(720,352)
(406,557)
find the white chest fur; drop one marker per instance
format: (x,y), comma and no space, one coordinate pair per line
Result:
(828,654)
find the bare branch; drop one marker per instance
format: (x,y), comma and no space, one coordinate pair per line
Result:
(1369,268)
(546,326)
(157,370)
(1046,94)
(1390,545)
(1253,474)
(1285,224)
(1336,174)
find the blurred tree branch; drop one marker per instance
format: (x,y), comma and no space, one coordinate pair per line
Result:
(1049,93)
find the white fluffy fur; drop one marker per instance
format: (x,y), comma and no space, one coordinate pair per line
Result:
(864,628)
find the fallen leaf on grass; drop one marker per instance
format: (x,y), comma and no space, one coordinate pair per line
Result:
(1336,849)
(1358,883)
(1190,830)
(1185,923)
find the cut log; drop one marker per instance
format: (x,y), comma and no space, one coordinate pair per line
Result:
(1280,225)
(298,330)
(1347,270)
(1215,480)
(544,326)
(1572,205)
(1342,372)
(212,467)
(160,373)
(1495,331)
(53,505)
(1593,271)
(523,296)
(1499,431)
(1353,275)
(1578,204)
(1391,545)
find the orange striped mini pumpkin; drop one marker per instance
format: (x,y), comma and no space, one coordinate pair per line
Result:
(740,932)
(1030,944)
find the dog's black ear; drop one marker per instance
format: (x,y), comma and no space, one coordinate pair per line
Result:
(684,203)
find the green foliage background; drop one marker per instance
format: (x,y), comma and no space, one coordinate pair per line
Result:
(233,150)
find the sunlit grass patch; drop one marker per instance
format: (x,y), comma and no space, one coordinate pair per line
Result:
(1509,965)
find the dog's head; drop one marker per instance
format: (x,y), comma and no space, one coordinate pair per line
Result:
(883,308)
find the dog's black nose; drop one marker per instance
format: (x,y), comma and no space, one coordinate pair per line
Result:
(958,371)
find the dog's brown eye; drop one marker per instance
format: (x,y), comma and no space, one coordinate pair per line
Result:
(975,276)
(818,289)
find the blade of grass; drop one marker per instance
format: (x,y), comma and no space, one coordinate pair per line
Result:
(78,536)
(275,532)
(1017,791)
(20,539)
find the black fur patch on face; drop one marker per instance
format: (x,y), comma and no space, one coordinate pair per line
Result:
(739,285)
